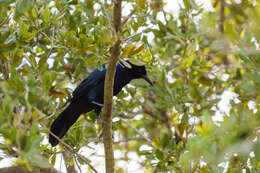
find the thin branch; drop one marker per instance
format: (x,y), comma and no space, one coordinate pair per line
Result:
(71,149)
(222,16)
(129,139)
(132,36)
(5,20)
(4,68)
(107,16)
(130,115)
(53,31)
(145,137)
(128,16)
(141,16)
(70,168)
(76,161)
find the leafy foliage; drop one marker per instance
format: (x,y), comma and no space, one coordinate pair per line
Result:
(179,125)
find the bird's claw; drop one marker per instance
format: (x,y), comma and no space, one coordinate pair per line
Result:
(99,121)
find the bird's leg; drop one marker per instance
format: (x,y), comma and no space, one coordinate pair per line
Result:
(97,111)
(100,136)
(98,104)
(99,121)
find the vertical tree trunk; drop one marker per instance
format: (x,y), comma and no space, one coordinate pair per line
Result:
(222,16)
(108,90)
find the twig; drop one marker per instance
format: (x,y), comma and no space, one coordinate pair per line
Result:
(5,20)
(129,139)
(222,16)
(129,16)
(43,33)
(70,168)
(4,69)
(53,113)
(71,149)
(107,16)
(130,115)
(51,43)
(132,36)
(141,16)
(146,138)
(76,161)
(51,40)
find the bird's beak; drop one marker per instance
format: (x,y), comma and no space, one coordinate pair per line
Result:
(145,77)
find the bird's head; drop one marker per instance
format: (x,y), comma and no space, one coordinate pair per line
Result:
(137,72)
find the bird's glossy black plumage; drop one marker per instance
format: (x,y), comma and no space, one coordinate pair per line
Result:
(89,95)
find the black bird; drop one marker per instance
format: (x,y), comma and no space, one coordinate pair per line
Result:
(89,95)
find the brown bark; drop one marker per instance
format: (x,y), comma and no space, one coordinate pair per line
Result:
(70,168)
(221,25)
(222,16)
(108,90)
(72,150)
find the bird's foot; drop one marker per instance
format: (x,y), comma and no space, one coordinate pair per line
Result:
(100,137)
(99,121)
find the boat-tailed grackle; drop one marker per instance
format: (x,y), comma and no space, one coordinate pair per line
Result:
(89,95)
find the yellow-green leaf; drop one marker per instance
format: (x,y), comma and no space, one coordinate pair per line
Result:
(128,50)
(137,51)
(141,3)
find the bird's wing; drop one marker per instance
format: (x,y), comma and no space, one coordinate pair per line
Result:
(92,80)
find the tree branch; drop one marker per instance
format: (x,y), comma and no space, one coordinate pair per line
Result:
(145,137)
(130,115)
(129,139)
(107,16)
(71,149)
(137,34)
(108,90)
(4,68)
(222,16)
(5,20)
(117,16)
(70,168)
(128,17)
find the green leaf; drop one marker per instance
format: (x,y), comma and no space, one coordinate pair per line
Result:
(125,63)
(137,51)
(46,15)
(38,161)
(257,151)
(4,3)
(22,7)
(128,50)
(156,142)
(159,154)
(53,159)
(141,3)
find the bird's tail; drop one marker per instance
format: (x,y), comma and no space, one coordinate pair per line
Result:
(62,124)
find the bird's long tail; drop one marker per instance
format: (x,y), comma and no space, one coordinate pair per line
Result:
(62,124)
